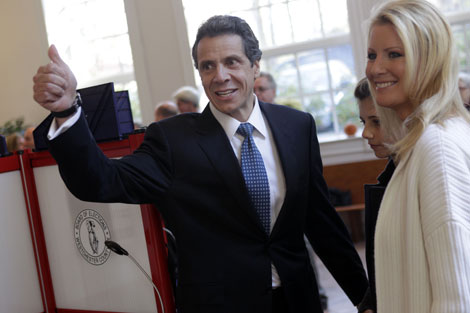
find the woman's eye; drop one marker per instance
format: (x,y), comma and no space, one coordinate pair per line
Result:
(371,56)
(395,55)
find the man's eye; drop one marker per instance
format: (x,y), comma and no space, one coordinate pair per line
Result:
(206,66)
(231,62)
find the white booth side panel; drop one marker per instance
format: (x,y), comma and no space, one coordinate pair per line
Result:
(19,283)
(85,274)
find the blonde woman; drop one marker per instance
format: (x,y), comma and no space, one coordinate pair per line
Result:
(422,255)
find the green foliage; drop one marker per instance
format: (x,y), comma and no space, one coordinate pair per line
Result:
(13,126)
(289,92)
(316,104)
(292,103)
(347,109)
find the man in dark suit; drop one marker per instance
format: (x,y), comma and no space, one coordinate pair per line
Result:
(235,255)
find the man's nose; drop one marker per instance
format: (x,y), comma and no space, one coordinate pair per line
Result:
(221,74)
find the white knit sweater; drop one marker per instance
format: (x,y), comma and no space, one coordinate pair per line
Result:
(422,241)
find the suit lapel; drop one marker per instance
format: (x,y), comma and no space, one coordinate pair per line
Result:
(280,130)
(215,144)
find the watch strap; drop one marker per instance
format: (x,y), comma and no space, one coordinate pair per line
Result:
(65,113)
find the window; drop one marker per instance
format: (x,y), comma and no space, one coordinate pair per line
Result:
(97,49)
(307,47)
(458,15)
(462,37)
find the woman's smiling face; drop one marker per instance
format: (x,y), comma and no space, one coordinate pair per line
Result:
(386,69)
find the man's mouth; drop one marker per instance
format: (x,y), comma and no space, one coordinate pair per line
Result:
(224,93)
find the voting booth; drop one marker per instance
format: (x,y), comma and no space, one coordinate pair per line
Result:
(20,289)
(58,260)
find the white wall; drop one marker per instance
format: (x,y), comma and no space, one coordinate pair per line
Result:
(24,46)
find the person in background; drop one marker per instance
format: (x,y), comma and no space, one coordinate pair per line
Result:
(373,194)
(422,255)
(464,88)
(187,99)
(15,142)
(165,109)
(29,138)
(265,87)
(240,236)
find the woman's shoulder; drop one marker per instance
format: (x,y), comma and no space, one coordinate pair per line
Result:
(446,140)
(452,131)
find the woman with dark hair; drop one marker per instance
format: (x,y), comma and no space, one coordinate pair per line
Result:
(373,133)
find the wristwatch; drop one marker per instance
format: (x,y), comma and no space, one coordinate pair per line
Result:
(65,113)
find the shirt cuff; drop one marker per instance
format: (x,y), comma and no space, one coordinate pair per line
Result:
(54,132)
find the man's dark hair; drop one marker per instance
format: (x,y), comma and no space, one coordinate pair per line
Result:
(229,25)
(362,90)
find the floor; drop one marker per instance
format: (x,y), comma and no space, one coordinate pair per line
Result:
(338,302)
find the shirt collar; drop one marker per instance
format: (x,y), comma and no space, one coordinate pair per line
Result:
(230,124)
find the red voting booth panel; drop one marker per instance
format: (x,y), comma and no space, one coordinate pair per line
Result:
(47,263)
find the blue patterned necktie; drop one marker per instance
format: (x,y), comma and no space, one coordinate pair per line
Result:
(255,175)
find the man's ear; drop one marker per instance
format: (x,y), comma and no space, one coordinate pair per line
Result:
(257,70)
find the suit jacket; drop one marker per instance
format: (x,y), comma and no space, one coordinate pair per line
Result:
(187,167)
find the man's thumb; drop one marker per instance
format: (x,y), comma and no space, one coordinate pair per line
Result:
(54,55)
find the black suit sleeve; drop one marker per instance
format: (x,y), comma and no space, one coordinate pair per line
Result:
(327,233)
(142,177)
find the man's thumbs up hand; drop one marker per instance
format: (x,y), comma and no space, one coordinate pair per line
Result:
(54,84)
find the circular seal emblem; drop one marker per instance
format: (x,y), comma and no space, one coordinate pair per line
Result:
(91,231)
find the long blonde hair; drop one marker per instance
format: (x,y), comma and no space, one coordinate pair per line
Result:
(431,77)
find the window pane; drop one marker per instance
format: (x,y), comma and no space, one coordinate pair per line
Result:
(93,39)
(347,110)
(341,66)
(240,5)
(266,35)
(313,71)
(306,23)
(462,38)
(319,106)
(281,24)
(334,17)
(284,71)
(451,6)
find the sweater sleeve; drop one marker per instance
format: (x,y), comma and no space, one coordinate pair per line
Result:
(444,203)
